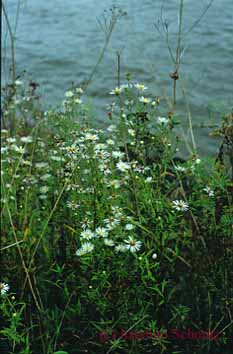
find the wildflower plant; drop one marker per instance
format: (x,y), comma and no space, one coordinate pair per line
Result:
(105,229)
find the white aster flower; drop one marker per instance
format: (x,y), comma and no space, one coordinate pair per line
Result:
(45,177)
(11,140)
(41,165)
(18,149)
(44,189)
(72,205)
(115,183)
(102,155)
(78,101)
(144,100)
(101,231)
(26,139)
(123,166)
(116,91)
(121,248)
(86,247)
(180,205)
(149,179)
(197,161)
(131,132)
(26,163)
(116,210)
(69,94)
(87,234)
(100,146)
(111,222)
(109,242)
(118,154)
(72,149)
(162,120)
(132,245)
(4,149)
(129,103)
(18,83)
(4,288)
(140,87)
(126,86)
(91,137)
(209,191)
(110,142)
(79,90)
(129,227)
(112,128)
(154,255)
(57,158)
(180,168)
(107,171)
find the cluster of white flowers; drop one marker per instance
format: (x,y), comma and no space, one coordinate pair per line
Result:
(72,98)
(109,233)
(117,90)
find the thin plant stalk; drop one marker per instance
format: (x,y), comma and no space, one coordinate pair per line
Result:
(12,39)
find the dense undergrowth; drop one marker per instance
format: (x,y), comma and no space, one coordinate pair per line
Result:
(107,235)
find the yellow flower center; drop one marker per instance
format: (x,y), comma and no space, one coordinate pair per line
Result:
(141,87)
(117,91)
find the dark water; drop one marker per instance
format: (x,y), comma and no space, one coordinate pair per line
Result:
(58,43)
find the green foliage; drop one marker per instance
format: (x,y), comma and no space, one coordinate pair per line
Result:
(107,233)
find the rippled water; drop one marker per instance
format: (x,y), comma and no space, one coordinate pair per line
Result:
(58,43)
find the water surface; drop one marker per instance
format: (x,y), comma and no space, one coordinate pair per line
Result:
(58,42)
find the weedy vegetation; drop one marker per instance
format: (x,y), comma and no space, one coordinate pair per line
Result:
(109,231)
